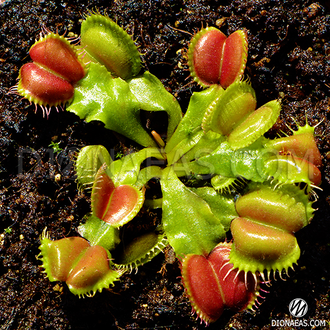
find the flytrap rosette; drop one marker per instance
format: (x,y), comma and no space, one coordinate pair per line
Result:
(213,285)
(49,80)
(214,169)
(214,58)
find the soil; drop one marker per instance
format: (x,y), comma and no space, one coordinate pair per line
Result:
(289,59)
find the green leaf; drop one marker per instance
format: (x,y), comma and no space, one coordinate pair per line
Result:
(223,207)
(98,232)
(101,97)
(189,131)
(245,163)
(152,96)
(117,103)
(127,169)
(189,223)
(207,143)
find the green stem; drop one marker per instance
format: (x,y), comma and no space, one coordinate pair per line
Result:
(154,203)
(147,174)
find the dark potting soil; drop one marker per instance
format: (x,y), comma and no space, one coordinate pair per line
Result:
(289,59)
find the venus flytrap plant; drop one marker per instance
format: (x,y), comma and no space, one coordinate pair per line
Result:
(262,162)
(189,131)
(56,54)
(98,232)
(292,169)
(257,188)
(141,250)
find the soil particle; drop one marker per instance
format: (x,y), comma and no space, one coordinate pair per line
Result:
(289,59)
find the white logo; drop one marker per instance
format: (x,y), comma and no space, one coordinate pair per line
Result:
(298,307)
